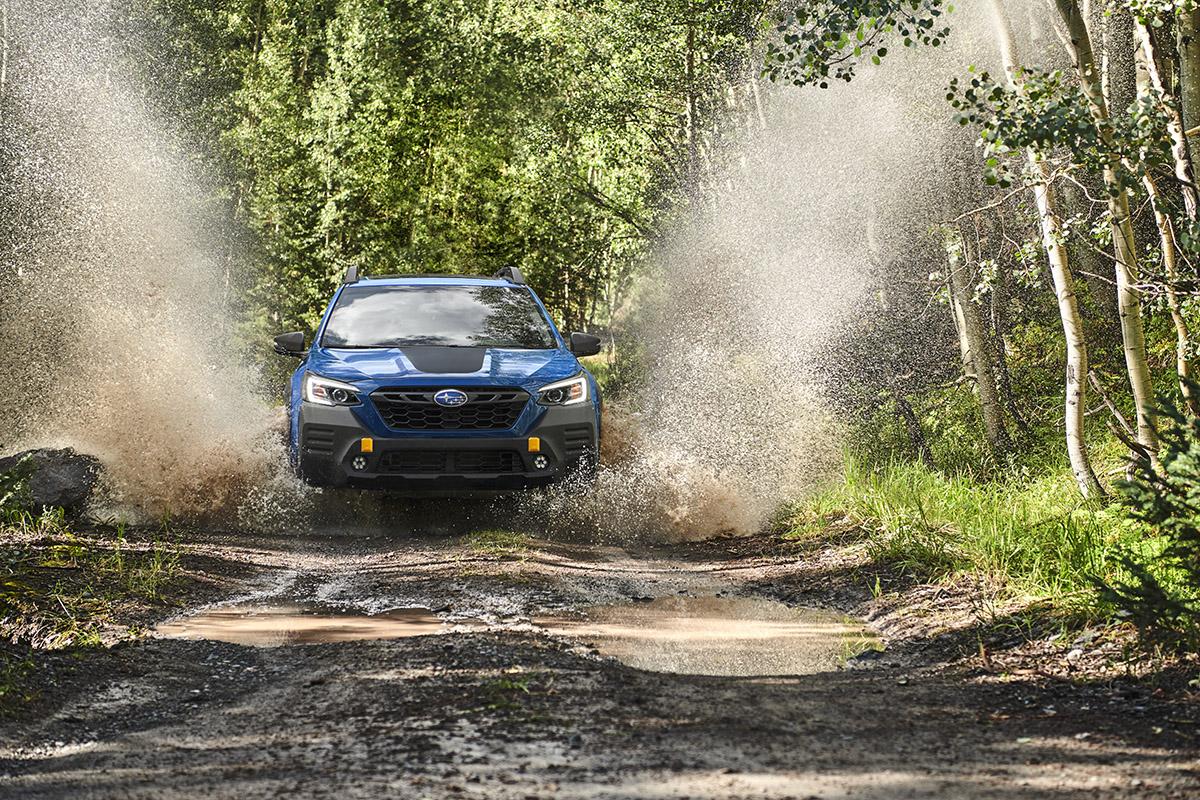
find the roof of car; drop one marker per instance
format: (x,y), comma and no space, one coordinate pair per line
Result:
(431,280)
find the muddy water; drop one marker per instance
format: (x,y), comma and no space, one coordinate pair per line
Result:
(678,634)
(307,623)
(719,636)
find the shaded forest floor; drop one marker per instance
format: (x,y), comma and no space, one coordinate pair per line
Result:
(973,695)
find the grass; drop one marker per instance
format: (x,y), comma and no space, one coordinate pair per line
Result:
(59,586)
(16,686)
(515,691)
(498,544)
(1032,534)
(62,588)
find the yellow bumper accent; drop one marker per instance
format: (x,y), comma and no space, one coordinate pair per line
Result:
(367,445)
(535,444)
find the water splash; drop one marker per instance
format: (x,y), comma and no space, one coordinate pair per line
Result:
(737,316)
(118,334)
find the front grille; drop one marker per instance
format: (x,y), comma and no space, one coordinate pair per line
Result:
(414,461)
(450,462)
(485,409)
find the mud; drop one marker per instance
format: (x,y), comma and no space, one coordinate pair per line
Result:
(515,712)
(719,636)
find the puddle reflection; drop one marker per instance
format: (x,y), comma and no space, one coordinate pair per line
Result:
(310,623)
(719,636)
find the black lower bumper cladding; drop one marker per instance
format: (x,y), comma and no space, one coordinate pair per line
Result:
(331,454)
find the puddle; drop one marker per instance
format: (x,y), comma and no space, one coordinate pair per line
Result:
(730,636)
(304,623)
(719,636)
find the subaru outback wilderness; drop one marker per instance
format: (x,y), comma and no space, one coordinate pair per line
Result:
(433,382)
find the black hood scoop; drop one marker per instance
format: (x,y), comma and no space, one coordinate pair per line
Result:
(446,360)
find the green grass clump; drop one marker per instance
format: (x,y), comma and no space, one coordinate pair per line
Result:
(60,585)
(498,544)
(1032,533)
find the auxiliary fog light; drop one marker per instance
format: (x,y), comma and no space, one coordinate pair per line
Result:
(359,463)
(540,462)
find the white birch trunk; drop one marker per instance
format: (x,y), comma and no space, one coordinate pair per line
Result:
(1152,86)
(1075,389)
(977,354)
(1129,298)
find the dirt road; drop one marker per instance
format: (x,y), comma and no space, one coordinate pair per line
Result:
(483,702)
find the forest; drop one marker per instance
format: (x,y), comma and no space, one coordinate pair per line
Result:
(899,304)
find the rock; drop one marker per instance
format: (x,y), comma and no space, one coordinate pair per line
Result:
(58,478)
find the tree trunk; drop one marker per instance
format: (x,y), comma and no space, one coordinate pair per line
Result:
(693,111)
(1090,264)
(1064,290)
(1187,31)
(1183,335)
(1151,86)
(1129,298)
(977,355)
(1180,154)
(1118,49)
(916,436)
(1000,328)
(3,55)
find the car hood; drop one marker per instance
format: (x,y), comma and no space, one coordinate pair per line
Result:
(466,366)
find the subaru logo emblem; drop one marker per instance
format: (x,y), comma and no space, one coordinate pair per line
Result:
(450,398)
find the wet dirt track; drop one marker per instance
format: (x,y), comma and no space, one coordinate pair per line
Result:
(493,706)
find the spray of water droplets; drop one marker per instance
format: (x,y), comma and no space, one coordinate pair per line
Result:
(118,337)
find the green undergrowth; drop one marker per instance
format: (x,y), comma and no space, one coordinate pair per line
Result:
(498,544)
(67,588)
(59,585)
(1032,534)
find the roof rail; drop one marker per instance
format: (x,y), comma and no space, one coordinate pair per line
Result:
(455,275)
(511,274)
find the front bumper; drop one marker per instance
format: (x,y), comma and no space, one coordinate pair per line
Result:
(330,453)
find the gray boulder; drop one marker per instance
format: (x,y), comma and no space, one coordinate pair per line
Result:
(57,478)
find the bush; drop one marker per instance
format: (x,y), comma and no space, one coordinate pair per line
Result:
(14,487)
(1161,592)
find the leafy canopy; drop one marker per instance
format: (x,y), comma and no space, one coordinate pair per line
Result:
(827,39)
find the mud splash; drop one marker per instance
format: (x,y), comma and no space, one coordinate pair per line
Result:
(719,636)
(305,623)
(733,317)
(118,272)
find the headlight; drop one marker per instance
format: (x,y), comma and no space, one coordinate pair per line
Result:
(570,392)
(325,392)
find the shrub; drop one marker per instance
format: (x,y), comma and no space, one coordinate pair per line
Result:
(1161,590)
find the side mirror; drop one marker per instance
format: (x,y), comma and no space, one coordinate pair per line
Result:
(584,344)
(290,344)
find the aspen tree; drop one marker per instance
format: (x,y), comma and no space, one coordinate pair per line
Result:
(1129,297)
(1075,389)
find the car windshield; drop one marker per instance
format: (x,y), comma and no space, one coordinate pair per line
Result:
(449,316)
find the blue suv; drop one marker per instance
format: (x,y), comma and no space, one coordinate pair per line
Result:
(432,382)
